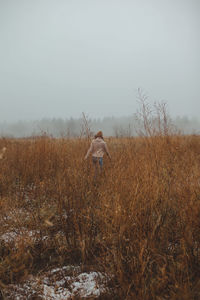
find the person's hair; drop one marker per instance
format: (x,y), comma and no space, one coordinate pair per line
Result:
(99,134)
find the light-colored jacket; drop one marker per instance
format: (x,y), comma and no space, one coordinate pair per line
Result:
(2,152)
(98,147)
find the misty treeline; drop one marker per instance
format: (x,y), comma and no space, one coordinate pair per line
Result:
(76,127)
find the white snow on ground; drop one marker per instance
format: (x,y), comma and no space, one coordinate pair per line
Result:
(86,285)
(9,237)
(58,285)
(51,293)
(17,235)
(15,214)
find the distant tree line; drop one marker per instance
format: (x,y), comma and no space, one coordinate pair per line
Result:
(75,127)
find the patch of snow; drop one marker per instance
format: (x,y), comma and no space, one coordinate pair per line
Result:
(65,268)
(9,237)
(51,293)
(15,236)
(86,285)
(56,284)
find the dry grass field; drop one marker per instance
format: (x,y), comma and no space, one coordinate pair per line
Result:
(139,223)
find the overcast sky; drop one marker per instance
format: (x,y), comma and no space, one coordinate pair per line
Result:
(59,58)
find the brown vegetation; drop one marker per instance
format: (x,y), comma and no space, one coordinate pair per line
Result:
(139,223)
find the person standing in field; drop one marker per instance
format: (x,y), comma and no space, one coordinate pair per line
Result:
(2,152)
(97,148)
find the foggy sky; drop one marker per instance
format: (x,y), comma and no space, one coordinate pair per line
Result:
(59,58)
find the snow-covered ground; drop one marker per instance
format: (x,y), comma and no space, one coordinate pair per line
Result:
(11,237)
(58,284)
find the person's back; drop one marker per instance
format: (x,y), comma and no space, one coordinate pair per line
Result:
(97,148)
(2,152)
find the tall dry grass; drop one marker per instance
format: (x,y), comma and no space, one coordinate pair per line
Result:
(139,222)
